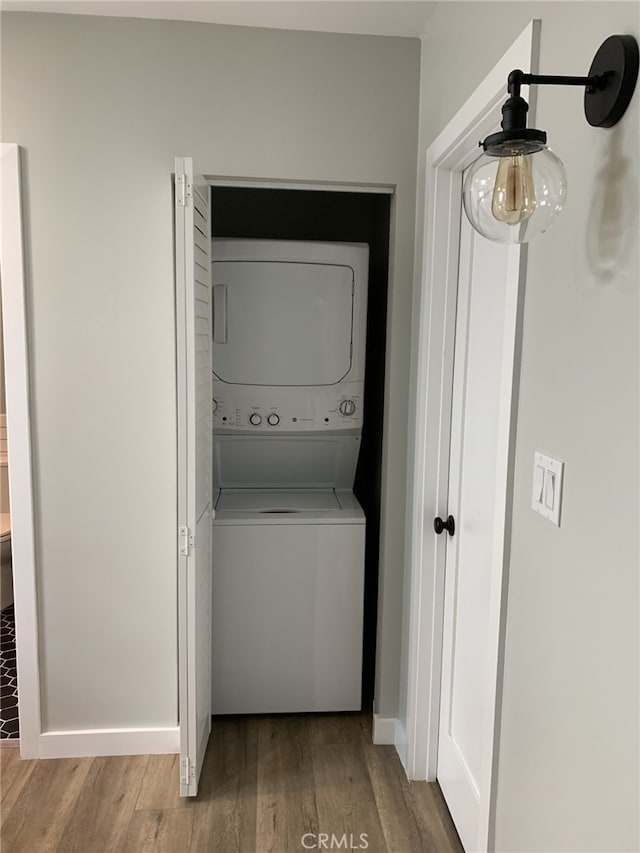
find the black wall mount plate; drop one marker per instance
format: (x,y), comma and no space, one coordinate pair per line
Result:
(617,59)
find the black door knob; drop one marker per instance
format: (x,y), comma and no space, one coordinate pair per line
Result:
(439,525)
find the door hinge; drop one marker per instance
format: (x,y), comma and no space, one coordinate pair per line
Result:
(184,190)
(187,771)
(186,541)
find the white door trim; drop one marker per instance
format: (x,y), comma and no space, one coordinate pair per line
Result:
(380,730)
(432,381)
(19,441)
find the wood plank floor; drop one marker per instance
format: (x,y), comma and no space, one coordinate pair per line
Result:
(269,785)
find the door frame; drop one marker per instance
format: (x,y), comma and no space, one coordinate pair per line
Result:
(435,304)
(16,361)
(379,734)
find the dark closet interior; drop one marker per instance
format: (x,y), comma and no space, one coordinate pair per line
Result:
(277,214)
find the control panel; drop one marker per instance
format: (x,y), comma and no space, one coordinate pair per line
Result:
(287,409)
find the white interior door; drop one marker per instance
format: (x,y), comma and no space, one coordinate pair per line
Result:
(193,343)
(481,414)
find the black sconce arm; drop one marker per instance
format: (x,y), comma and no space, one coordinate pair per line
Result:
(518,78)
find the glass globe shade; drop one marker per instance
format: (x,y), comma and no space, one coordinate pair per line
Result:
(514,199)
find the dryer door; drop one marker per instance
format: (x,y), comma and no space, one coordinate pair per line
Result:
(282,324)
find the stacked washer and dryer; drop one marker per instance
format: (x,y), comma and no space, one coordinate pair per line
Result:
(288,361)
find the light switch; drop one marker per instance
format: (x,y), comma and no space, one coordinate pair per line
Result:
(547,487)
(538,483)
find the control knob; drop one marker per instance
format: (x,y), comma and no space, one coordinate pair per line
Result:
(215,405)
(255,419)
(347,408)
(273,419)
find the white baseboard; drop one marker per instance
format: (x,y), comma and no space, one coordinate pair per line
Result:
(401,745)
(384,730)
(89,742)
(390,731)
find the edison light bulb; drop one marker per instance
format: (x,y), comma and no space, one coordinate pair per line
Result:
(514,196)
(501,198)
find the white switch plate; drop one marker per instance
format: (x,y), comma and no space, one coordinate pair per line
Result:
(546,497)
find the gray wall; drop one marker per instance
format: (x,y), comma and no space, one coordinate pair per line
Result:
(568,751)
(101,106)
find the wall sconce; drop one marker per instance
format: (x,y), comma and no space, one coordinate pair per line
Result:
(518,186)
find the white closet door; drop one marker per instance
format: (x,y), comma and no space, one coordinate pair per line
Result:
(193,333)
(478,474)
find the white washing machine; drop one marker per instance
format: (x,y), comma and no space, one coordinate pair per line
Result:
(288,587)
(289,535)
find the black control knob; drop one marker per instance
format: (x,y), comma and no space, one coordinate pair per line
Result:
(449,525)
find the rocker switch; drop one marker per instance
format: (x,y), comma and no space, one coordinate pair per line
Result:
(547,487)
